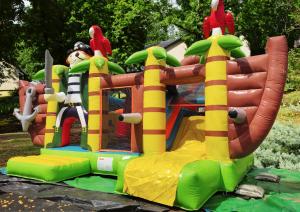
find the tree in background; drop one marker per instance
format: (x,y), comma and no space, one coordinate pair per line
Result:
(129,25)
(44,26)
(58,24)
(187,16)
(255,19)
(10,16)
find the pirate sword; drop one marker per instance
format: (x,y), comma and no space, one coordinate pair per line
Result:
(50,95)
(48,72)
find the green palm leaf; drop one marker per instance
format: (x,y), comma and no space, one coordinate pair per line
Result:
(237,53)
(81,67)
(172,61)
(60,69)
(198,48)
(229,42)
(137,57)
(159,53)
(115,68)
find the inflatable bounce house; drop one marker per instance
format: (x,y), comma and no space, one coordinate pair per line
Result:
(174,134)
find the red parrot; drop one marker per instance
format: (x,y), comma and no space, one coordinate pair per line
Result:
(218,20)
(99,43)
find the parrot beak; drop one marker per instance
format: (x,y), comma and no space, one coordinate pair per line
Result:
(214,5)
(91,32)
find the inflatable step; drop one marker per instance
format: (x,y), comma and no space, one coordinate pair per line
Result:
(49,168)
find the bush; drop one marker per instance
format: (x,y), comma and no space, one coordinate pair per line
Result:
(281,148)
(7,104)
(290,108)
(293,79)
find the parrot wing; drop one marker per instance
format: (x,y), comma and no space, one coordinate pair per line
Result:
(206,27)
(230,23)
(92,45)
(107,46)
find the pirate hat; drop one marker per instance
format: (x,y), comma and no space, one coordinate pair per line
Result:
(82,47)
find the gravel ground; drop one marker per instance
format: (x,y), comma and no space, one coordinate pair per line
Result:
(14,202)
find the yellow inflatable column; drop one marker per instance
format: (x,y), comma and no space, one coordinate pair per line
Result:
(216,115)
(52,107)
(95,104)
(154,107)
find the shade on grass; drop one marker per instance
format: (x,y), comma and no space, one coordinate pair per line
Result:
(15,145)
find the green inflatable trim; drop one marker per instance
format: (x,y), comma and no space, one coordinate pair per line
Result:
(282,196)
(201,179)
(47,168)
(94,183)
(93,157)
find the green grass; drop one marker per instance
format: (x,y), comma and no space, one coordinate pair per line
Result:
(9,123)
(15,144)
(292,98)
(290,108)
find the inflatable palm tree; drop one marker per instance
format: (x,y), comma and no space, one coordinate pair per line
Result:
(154,107)
(216,49)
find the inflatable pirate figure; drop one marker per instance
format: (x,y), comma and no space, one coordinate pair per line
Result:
(73,101)
(72,105)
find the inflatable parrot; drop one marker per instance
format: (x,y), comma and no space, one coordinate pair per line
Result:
(99,44)
(218,21)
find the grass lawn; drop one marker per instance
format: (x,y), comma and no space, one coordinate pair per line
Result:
(15,144)
(290,108)
(9,124)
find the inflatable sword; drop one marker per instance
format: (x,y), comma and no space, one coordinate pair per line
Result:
(48,72)
(49,91)
(27,117)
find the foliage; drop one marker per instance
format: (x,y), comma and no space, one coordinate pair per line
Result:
(58,24)
(10,14)
(290,108)
(291,99)
(281,148)
(127,27)
(7,104)
(293,77)
(27,59)
(188,17)
(43,27)
(25,32)
(289,113)
(255,19)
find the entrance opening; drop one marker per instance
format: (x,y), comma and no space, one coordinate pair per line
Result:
(118,133)
(182,101)
(75,133)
